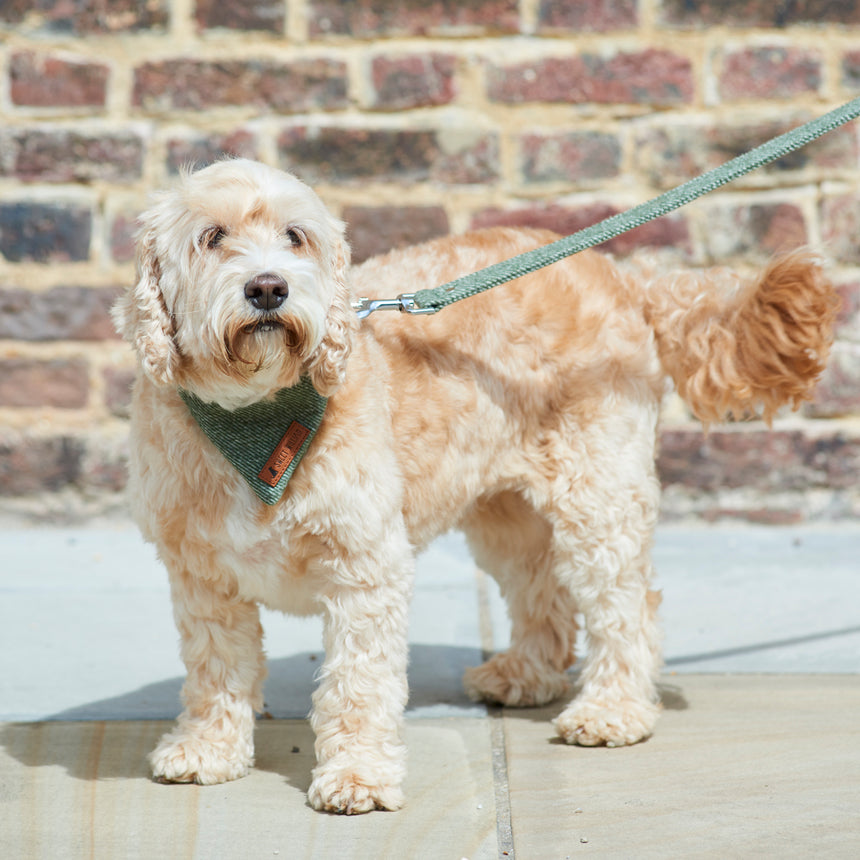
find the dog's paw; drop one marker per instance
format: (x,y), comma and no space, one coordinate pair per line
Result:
(185,757)
(514,681)
(337,789)
(611,724)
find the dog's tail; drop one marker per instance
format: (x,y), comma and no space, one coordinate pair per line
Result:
(735,348)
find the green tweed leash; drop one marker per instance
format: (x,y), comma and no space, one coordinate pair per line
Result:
(266,440)
(431,301)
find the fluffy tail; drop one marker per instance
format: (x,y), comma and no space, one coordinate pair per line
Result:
(740,349)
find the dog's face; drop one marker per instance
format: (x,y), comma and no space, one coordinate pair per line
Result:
(241,286)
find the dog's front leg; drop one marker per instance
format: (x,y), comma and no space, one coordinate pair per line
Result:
(358,706)
(221,638)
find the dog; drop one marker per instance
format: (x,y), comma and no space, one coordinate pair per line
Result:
(525,416)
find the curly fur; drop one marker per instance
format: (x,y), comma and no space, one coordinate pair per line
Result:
(525,416)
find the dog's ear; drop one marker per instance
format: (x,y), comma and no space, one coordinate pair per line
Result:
(142,318)
(327,366)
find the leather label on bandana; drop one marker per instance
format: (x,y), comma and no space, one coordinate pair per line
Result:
(284,454)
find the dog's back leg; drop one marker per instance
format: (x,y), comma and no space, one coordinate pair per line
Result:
(602,528)
(513,543)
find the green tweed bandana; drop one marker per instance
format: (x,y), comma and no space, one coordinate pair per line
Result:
(266,440)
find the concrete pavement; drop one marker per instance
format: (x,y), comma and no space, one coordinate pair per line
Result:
(756,755)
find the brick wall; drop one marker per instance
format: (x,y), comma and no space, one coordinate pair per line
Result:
(412,119)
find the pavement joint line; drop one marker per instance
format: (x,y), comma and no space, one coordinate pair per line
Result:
(495,717)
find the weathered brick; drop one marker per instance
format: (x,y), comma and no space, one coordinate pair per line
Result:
(453,156)
(838,392)
(200,150)
(372,18)
(851,70)
(82,17)
(261,15)
(104,467)
(29,465)
(38,80)
(758,459)
(758,13)
(653,77)
(417,80)
(43,232)
(667,232)
(68,156)
(581,16)
(671,153)
(848,322)
(466,156)
(576,156)
(123,229)
(61,383)
(60,313)
(840,227)
(772,72)
(373,230)
(755,231)
(118,385)
(183,84)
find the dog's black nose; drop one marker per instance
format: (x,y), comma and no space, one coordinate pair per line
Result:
(267,291)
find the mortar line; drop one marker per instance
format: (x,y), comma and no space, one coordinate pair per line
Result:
(495,716)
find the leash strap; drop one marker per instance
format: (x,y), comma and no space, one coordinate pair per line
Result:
(430,301)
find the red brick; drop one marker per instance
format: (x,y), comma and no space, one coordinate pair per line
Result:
(36,155)
(104,468)
(838,392)
(758,459)
(840,227)
(82,17)
(200,150)
(571,156)
(582,16)
(667,232)
(420,80)
(373,18)
(37,80)
(652,77)
(24,382)
(123,230)
(770,72)
(757,13)
(851,71)
(61,313)
(118,385)
(262,15)
(185,84)
(387,155)
(44,232)
(373,230)
(30,466)
(755,231)
(672,153)
(848,322)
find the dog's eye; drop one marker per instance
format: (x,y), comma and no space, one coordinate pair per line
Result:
(296,237)
(212,237)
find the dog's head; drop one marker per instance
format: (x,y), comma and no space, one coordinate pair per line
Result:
(241,286)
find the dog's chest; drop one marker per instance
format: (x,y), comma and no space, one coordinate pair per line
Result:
(275,563)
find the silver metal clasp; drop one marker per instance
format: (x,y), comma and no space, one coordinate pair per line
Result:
(405,303)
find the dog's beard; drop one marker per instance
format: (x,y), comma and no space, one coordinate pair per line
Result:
(257,343)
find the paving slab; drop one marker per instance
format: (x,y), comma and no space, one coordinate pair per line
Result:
(75,790)
(739,766)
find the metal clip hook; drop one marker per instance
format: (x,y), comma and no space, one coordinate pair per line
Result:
(405,303)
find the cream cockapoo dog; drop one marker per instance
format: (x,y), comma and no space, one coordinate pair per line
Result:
(525,416)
